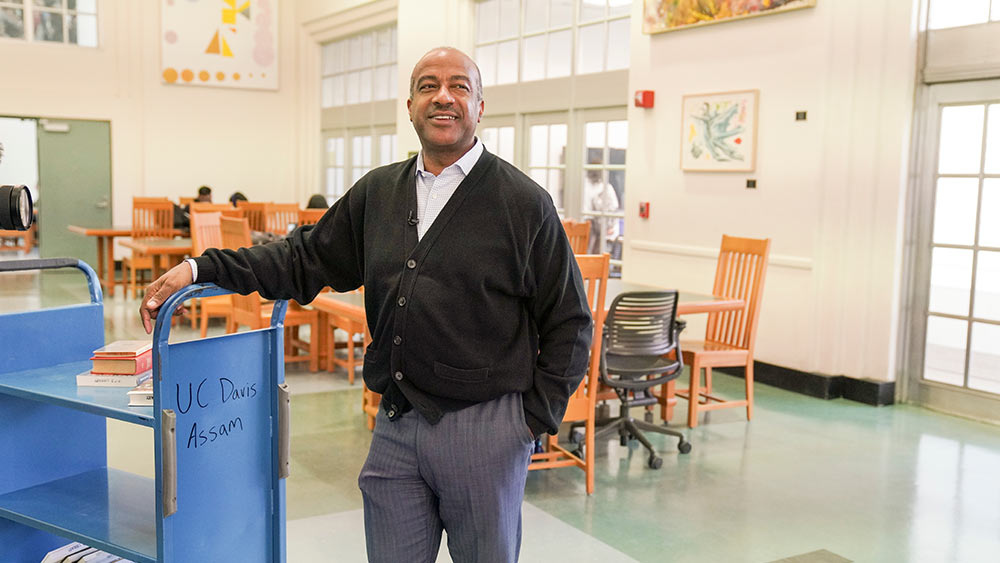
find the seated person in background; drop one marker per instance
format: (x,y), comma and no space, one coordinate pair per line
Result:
(204,195)
(237,196)
(317,201)
(182,215)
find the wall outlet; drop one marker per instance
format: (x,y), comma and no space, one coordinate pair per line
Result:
(751,184)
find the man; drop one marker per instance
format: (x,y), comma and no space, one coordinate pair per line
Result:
(204,195)
(182,214)
(479,321)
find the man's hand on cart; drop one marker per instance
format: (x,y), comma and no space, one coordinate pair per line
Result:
(174,280)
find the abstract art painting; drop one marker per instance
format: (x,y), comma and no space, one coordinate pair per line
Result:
(719,132)
(671,15)
(227,43)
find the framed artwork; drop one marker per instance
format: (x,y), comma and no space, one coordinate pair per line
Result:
(670,15)
(719,132)
(223,43)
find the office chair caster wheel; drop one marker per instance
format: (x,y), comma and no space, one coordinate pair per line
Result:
(578,453)
(684,447)
(623,440)
(655,462)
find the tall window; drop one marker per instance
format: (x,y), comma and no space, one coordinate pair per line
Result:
(351,154)
(963,320)
(547,158)
(956,13)
(603,200)
(499,141)
(57,21)
(524,40)
(360,69)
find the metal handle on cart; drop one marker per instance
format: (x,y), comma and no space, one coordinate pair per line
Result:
(55,263)
(284,431)
(168,445)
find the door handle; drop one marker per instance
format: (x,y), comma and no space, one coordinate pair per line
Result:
(102,203)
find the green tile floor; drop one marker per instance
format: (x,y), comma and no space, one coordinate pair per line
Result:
(806,476)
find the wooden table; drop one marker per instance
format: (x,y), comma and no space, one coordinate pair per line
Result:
(687,304)
(350,307)
(173,250)
(105,250)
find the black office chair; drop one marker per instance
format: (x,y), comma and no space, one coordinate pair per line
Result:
(641,351)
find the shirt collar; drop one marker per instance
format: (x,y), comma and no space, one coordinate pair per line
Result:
(465,164)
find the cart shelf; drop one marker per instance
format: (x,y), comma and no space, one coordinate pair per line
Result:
(56,385)
(105,508)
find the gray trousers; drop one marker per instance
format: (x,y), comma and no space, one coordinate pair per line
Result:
(464,474)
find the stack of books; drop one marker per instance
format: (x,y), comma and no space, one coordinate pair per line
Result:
(78,552)
(123,363)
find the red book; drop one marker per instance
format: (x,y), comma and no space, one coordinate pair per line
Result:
(123,365)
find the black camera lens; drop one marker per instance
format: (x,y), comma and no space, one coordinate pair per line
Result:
(15,208)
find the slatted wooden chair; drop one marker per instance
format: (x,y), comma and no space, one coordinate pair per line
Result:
(582,404)
(206,232)
(14,241)
(310,216)
(254,212)
(355,351)
(729,336)
(182,201)
(224,208)
(278,217)
(151,217)
(579,235)
(248,310)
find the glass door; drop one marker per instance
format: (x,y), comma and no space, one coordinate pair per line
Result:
(954,349)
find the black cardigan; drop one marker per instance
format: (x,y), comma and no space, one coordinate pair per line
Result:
(489,302)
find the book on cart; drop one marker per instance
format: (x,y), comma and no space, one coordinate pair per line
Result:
(91,379)
(74,558)
(60,553)
(100,557)
(141,395)
(122,365)
(124,348)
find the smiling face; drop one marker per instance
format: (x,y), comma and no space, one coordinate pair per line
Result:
(445,103)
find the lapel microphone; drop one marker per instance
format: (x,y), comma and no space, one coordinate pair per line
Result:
(411,220)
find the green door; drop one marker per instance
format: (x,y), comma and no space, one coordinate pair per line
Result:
(74,185)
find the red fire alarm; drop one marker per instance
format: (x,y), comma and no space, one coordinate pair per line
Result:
(644,209)
(643,98)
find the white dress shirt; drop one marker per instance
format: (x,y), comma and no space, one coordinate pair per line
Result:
(433,192)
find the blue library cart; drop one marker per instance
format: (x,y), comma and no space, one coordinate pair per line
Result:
(220,429)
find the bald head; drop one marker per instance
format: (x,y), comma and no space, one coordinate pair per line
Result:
(443,53)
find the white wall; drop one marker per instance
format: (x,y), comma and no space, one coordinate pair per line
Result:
(829,190)
(167,140)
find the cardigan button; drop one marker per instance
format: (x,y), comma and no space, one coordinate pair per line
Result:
(401,301)
(397,340)
(411,263)
(398,375)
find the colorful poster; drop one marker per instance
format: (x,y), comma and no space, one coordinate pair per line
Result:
(719,132)
(671,15)
(227,43)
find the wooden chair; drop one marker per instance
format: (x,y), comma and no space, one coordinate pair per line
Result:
(278,216)
(14,241)
(254,212)
(206,232)
(582,404)
(182,201)
(310,216)
(248,310)
(579,235)
(729,336)
(353,359)
(151,217)
(224,208)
